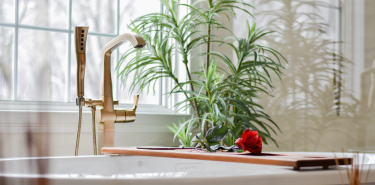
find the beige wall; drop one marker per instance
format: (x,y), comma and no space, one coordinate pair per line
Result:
(369,33)
(305,105)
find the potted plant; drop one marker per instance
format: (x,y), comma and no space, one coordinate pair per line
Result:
(223,100)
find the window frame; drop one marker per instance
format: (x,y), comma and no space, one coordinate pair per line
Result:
(166,102)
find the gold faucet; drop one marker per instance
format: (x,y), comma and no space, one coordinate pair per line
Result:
(103,109)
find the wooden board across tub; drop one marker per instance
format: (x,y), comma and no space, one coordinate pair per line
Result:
(293,160)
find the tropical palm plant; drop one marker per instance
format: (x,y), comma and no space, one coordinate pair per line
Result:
(223,102)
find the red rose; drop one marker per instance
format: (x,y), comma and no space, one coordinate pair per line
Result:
(250,141)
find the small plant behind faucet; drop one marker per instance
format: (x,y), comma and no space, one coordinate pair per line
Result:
(223,100)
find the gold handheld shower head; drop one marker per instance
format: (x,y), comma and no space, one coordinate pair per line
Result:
(80,34)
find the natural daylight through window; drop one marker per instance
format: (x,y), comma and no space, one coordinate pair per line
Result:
(37,54)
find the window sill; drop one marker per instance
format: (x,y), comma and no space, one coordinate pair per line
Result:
(50,117)
(71,107)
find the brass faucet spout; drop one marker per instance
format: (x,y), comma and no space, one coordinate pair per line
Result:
(106,115)
(106,79)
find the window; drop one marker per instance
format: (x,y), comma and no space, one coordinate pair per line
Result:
(37,52)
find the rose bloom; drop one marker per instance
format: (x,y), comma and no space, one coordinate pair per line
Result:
(250,141)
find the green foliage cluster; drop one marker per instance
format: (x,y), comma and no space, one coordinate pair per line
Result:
(223,99)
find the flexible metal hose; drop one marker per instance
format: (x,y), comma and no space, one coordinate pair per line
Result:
(79,129)
(94,130)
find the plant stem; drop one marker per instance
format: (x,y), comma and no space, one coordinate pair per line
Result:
(228,108)
(208,62)
(179,85)
(195,105)
(184,54)
(208,47)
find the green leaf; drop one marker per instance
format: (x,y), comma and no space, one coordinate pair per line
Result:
(216,134)
(208,147)
(214,147)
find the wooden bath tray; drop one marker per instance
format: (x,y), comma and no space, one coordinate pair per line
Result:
(293,160)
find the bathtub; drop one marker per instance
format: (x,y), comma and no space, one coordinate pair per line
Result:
(113,170)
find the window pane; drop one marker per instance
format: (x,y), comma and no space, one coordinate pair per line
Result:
(46,13)
(125,96)
(99,15)
(7,11)
(6,61)
(94,47)
(129,10)
(42,64)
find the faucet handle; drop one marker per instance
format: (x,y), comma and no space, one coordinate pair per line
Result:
(126,116)
(136,99)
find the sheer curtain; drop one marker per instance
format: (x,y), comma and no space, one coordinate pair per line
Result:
(326,98)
